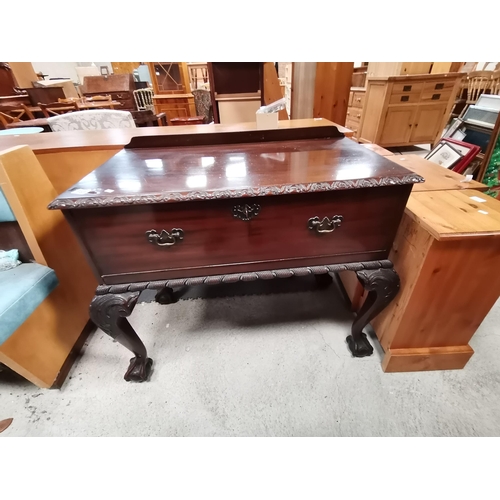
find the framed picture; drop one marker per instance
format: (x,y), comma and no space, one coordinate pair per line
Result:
(444,154)
(468,152)
(456,155)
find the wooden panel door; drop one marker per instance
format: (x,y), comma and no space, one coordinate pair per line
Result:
(397,125)
(428,123)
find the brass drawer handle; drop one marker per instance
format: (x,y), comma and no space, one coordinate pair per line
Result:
(165,239)
(246,212)
(326,225)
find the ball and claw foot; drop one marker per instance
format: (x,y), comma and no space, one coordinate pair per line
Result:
(166,296)
(138,370)
(361,348)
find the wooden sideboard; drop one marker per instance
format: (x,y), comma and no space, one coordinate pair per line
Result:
(407,110)
(355,109)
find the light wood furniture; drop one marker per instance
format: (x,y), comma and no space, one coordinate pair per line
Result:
(172,92)
(11,114)
(379,150)
(354,111)
(478,82)
(495,82)
(43,346)
(443,236)
(437,178)
(124,68)
(198,75)
(406,110)
(57,108)
(24,73)
(331,90)
(446,67)
(383,69)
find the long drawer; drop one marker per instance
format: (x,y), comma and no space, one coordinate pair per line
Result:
(213,237)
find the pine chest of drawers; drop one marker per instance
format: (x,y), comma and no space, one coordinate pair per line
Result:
(170,211)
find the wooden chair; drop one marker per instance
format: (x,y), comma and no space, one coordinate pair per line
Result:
(57,108)
(13,113)
(44,346)
(144,99)
(495,82)
(477,83)
(203,104)
(146,118)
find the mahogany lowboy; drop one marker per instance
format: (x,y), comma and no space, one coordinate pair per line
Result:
(185,209)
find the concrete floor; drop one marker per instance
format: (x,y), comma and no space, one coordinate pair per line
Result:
(274,364)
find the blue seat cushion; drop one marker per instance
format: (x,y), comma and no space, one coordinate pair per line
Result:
(22,290)
(6,214)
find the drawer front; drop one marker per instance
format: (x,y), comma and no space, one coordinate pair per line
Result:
(439,86)
(351,95)
(358,99)
(353,114)
(407,88)
(214,241)
(352,125)
(436,96)
(404,98)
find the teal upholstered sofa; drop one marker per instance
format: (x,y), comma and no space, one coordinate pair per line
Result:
(23,288)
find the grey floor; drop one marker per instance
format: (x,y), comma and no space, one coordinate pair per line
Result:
(273,362)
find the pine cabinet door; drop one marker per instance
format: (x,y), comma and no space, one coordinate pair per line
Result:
(428,123)
(397,125)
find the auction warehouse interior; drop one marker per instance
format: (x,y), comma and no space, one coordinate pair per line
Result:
(249,249)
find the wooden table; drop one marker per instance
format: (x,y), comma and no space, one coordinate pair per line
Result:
(178,210)
(84,105)
(97,104)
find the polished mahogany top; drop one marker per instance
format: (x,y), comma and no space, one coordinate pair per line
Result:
(145,175)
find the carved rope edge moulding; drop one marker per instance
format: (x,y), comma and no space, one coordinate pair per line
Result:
(249,276)
(108,201)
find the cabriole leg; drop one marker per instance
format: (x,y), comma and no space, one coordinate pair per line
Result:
(382,286)
(109,313)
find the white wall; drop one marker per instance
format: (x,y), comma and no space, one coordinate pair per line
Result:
(64,69)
